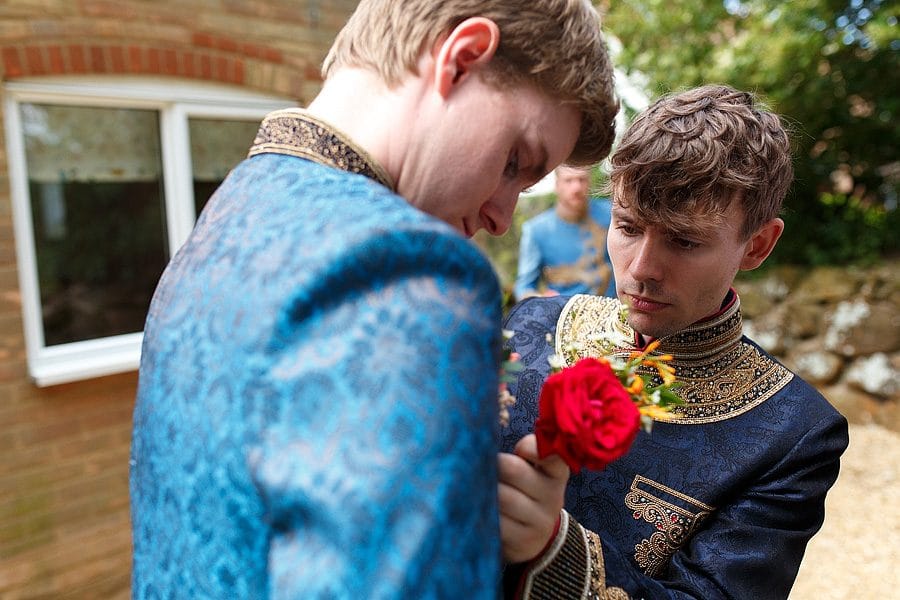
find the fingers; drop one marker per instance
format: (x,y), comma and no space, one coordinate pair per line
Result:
(521,475)
(514,505)
(520,543)
(517,477)
(527,448)
(555,467)
(527,494)
(531,492)
(526,524)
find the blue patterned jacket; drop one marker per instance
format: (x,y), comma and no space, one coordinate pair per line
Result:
(317,405)
(568,258)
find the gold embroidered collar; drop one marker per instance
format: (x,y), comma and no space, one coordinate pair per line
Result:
(295,132)
(722,375)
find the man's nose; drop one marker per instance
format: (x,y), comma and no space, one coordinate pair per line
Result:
(496,214)
(647,261)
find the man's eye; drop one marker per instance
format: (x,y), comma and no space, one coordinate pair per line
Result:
(627,229)
(512,166)
(685,244)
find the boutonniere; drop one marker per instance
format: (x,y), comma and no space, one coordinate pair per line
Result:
(590,412)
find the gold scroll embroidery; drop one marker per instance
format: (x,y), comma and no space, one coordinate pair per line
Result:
(674,515)
(572,567)
(590,269)
(598,589)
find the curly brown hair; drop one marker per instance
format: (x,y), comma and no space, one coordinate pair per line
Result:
(555,46)
(690,154)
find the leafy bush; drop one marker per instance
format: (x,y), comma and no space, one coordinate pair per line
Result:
(842,230)
(503,251)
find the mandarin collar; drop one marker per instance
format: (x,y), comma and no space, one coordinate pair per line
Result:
(296,132)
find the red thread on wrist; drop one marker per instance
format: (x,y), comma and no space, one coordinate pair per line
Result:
(520,585)
(551,540)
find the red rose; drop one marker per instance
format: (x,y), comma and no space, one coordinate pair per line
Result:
(586,416)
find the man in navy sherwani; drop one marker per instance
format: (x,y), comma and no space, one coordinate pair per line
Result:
(720,501)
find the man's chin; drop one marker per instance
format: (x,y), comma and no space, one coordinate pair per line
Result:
(652,326)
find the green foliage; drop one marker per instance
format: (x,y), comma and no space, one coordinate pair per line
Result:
(503,251)
(826,65)
(844,230)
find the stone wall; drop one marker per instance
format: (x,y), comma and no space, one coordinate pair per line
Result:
(838,328)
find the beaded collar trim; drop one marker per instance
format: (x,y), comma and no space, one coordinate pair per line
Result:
(722,375)
(295,132)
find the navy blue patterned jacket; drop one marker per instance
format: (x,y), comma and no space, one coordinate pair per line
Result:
(719,503)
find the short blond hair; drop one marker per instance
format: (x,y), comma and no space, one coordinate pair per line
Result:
(689,155)
(555,46)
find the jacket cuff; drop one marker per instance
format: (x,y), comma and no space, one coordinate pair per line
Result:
(571,567)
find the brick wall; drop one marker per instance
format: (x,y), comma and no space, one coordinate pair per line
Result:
(64,524)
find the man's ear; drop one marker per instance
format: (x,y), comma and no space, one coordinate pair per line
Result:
(471,43)
(761,244)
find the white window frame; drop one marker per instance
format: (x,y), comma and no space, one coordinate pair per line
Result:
(176,102)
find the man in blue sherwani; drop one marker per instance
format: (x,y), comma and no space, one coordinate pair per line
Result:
(317,407)
(720,501)
(563,249)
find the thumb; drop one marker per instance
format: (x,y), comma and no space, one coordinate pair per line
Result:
(552,465)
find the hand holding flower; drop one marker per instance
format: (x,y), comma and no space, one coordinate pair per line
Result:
(531,494)
(590,412)
(589,415)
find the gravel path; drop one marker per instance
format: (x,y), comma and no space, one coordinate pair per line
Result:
(856,555)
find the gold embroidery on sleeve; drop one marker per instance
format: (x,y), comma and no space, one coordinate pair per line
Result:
(572,567)
(562,571)
(598,589)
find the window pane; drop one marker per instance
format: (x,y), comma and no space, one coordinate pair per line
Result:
(99,217)
(216,147)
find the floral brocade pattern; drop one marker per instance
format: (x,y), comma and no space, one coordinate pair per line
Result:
(722,375)
(316,413)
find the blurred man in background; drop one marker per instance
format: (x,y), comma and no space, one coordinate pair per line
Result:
(563,249)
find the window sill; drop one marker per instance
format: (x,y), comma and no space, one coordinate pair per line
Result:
(85,360)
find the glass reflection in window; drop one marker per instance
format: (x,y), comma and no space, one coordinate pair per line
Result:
(217,146)
(95,181)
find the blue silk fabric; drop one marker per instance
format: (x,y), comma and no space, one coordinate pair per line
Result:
(720,505)
(549,242)
(317,406)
